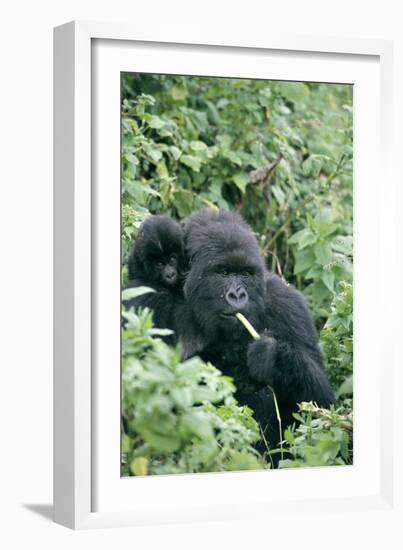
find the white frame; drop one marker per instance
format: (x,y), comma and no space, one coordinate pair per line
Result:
(109,491)
(75,469)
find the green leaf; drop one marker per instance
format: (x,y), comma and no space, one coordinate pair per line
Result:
(189,368)
(198,423)
(323,253)
(243,461)
(295,238)
(198,146)
(224,141)
(303,260)
(303,238)
(193,162)
(132,158)
(130,293)
(182,397)
(346,386)
(234,158)
(343,244)
(328,279)
(348,151)
(175,152)
(312,166)
(241,181)
(153,153)
(311,222)
(206,450)
(183,201)
(126,443)
(139,466)
(147,189)
(178,93)
(214,115)
(156,122)
(319,291)
(278,194)
(314,272)
(163,444)
(307,240)
(295,91)
(325,228)
(213,197)
(161,331)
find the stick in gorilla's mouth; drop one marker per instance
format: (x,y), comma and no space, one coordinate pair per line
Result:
(255,335)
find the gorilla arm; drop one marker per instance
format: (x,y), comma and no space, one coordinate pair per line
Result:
(287,356)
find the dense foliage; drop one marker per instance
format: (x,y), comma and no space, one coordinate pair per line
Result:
(280,153)
(173,423)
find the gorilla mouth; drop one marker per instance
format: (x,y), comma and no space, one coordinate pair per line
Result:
(170,282)
(232,313)
(228,315)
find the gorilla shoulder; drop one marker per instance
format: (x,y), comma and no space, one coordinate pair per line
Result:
(287,312)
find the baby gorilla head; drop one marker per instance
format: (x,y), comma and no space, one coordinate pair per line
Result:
(158,255)
(226,273)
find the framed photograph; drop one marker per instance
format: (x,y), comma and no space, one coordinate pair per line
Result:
(207,199)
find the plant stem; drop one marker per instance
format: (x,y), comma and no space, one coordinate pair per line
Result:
(255,335)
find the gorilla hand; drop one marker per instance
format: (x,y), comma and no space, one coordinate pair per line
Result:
(262,355)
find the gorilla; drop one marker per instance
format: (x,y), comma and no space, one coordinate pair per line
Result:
(226,274)
(157,260)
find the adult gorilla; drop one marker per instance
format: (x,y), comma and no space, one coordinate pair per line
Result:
(227,275)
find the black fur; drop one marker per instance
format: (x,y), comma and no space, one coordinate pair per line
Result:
(224,255)
(157,260)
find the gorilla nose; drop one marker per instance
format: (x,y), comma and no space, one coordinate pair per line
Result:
(170,276)
(237,297)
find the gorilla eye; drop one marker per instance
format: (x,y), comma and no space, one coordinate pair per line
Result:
(172,259)
(160,264)
(223,271)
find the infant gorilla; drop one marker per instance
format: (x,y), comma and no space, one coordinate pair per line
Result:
(157,260)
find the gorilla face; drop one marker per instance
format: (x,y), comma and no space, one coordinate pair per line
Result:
(158,255)
(163,269)
(226,276)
